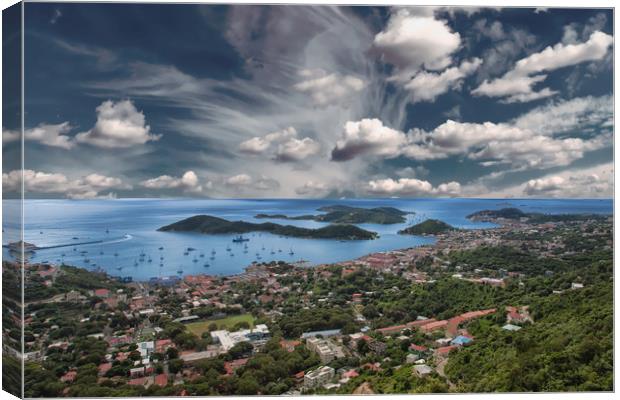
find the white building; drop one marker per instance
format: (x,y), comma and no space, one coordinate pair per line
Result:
(319,377)
(326,350)
(228,339)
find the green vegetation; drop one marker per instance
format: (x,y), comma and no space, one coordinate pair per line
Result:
(71,278)
(11,375)
(230,322)
(568,348)
(428,227)
(338,214)
(213,225)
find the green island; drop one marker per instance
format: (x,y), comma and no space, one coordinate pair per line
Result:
(516,214)
(428,227)
(214,225)
(339,214)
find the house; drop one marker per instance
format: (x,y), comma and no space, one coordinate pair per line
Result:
(377,347)
(231,366)
(434,326)
(289,345)
(444,351)
(319,377)
(325,333)
(104,368)
(418,348)
(575,285)
(517,315)
(350,374)
(461,340)
(69,376)
(422,370)
(103,293)
(511,327)
(411,358)
(137,381)
(161,380)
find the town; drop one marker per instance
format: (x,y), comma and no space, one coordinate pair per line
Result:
(415,320)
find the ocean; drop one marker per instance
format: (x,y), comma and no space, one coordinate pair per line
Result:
(125,236)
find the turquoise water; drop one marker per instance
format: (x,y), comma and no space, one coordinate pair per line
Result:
(125,229)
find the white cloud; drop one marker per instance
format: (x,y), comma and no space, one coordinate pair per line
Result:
(329,89)
(411,187)
(518,84)
(54,135)
(260,144)
(189,182)
(411,42)
(544,185)
(492,144)
(593,182)
(9,135)
(119,125)
(368,136)
(243,182)
(239,180)
(568,115)
(297,150)
(427,86)
(89,186)
(284,143)
(312,189)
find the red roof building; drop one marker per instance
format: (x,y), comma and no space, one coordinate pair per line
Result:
(137,381)
(232,366)
(416,347)
(103,368)
(104,293)
(444,351)
(161,380)
(350,374)
(433,326)
(69,377)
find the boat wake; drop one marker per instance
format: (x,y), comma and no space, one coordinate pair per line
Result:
(110,241)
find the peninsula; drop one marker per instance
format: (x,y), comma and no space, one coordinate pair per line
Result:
(514,214)
(213,225)
(339,214)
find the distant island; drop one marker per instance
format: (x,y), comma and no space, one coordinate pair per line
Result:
(214,225)
(506,213)
(516,214)
(338,214)
(428,227)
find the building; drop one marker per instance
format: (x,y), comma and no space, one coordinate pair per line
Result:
(326,350)
(227,339)
(422,370)
(461,340)
(326,333)
(319,377)
(511,327)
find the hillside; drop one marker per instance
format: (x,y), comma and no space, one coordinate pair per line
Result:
(214,225)
(339,214)
(428,227)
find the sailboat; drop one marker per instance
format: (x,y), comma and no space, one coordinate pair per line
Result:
(291,252)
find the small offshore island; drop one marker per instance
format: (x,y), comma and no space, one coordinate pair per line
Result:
(339,214)
(213,225)
(428,227)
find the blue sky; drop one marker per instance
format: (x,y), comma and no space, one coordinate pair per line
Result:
(142,100)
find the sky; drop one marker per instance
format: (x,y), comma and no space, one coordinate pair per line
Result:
(154,100)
